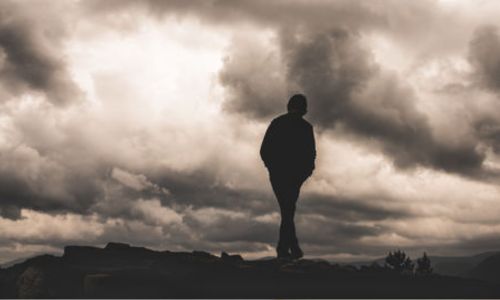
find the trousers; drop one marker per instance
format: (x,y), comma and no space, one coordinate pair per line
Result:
(286,187)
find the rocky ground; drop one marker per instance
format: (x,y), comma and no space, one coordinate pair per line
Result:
(122,271)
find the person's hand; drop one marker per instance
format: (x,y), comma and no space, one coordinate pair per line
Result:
(310,172)
(306,175)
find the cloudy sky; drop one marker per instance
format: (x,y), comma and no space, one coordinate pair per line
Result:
(141,122)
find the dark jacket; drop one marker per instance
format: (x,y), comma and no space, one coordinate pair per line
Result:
(289,146)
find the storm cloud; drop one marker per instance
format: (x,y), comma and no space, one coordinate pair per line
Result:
(140,122)
(483,54)
(29,43)
(346,89)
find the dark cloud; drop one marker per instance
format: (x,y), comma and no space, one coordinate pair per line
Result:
(386,110)
(351,210)
(345,87)
(328,67)
(484,56)
(477,244)
(200,189)
(484,49)
(30,55)
(66,190)
(325,231)
(12,212)
(488,128)
(253,78)
(237,228)
(223,12)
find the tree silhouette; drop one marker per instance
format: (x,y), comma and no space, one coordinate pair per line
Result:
(424,265)
(399,262)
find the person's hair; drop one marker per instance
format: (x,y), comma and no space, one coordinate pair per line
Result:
(297,102)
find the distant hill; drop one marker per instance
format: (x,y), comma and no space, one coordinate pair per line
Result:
(123,271)
(460,265)
(446,265)
(488,269)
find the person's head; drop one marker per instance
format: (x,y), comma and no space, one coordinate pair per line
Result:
(297,104)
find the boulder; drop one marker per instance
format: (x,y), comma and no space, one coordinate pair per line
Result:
(232,258)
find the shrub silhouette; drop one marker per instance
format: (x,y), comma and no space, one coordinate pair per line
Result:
(424,265)
(399,262)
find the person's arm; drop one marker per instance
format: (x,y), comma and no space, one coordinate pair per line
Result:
(266,146)
(312,150)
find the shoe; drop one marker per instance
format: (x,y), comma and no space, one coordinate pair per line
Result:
(296,253)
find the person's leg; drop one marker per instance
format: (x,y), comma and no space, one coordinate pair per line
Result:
(279,185)
(285,238)
(296,252)
(288,217)
(287,189)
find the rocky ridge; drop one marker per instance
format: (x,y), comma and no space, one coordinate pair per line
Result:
(122,271)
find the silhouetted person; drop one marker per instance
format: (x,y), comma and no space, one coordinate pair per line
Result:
(288,151)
